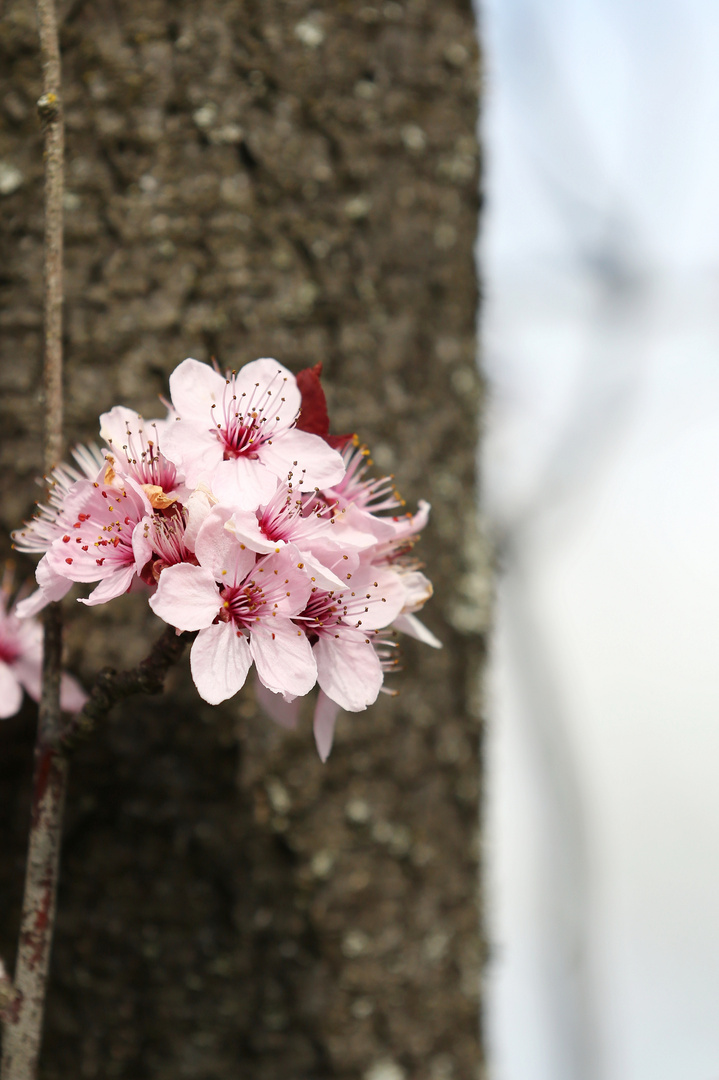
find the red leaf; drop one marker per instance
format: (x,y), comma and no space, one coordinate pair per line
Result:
(314,417)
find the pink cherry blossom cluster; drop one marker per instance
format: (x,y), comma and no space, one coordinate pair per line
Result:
(253,527)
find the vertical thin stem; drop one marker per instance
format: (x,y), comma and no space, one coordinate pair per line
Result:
(22,1028)
(22,1031)
(50,109)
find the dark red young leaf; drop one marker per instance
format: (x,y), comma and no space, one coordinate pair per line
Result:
(338,442)
(314,417)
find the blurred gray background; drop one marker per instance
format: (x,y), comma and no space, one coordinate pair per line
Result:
(245,179)
(601,331)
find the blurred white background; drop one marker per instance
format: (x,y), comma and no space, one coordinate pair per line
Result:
(600,254)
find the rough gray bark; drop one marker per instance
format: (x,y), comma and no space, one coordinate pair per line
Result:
(23,1024)
(244,180)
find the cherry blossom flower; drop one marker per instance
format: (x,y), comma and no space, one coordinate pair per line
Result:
(418,590)
(291,518)
(243,608)
(51,521)
(165,539)
(135,446)
(240,433)
(342,624)
(158,542)
(21,661)
(257,530)
(357,501)
(286,518)
(368,493)
(348,646)
(98,544)
(395,554)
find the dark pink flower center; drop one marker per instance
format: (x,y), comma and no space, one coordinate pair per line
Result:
(369,494)
(241,604)
(244,422)
(9,650)
(166,535)
(147,464)
(293,517)
(336,614)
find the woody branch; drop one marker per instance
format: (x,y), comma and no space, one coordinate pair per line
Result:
(25,998)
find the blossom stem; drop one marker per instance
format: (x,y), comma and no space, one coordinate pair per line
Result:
(113,686)
(50,110)
(22,1026)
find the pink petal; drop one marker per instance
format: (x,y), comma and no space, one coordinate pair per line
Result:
(193,449)
(35,602)
(318,465)
(27,670)
(113,585)
(348,671)
(418,590)
(219,661)
(52,587)
(194,387)
(410,625)
(29,639)
(337,560)
(276,707)
(72,695)
(382,593)
(198,506)
(410,524)
(243,484)
(114,424)
(186,597)
(244,525)
(10,692)
(321,575)
(357,528)
(283,656)
(141,546)
(287,587)
(392,597)
(324,724)
(221,553)
(270,375)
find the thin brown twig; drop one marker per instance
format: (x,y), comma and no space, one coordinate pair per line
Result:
(9,995)
(113,686)
(22,1025)
(50,110)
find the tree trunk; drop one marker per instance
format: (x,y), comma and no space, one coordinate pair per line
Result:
(256,179)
